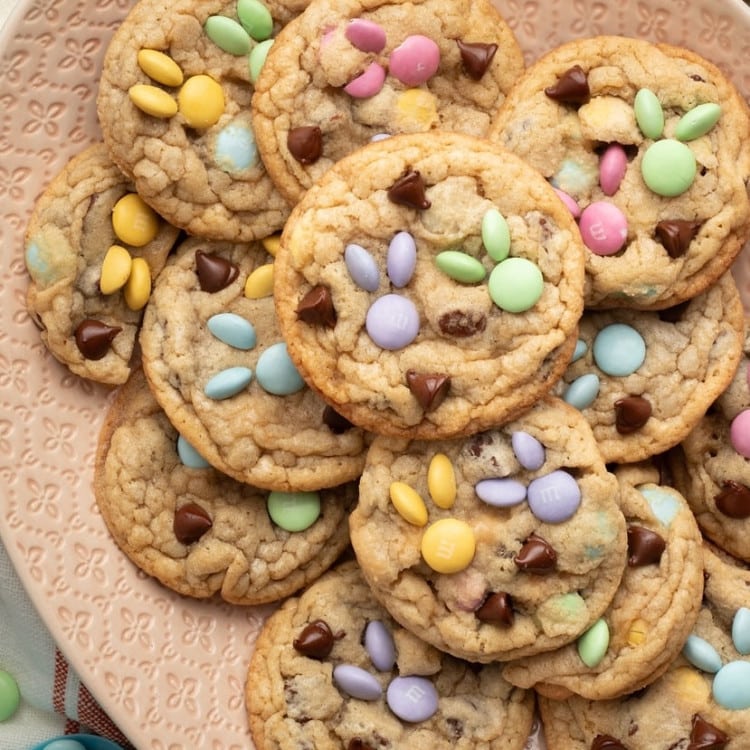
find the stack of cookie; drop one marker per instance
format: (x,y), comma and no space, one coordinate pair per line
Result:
(395,292)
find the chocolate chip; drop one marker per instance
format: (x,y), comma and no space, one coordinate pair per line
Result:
(645,547)
(676,235)
(476,57)
(572,87)
(705,736)
(190,523)
(316,307)
(305,143)
(674,314)
(315,640)
(430,389)
(335,422)
(460,324)
(606,742)
(357,744)
(497,607)
(536,556)
(631,413)
(456,727)
(94,337)
(214,272)
(734,499)
(408,190)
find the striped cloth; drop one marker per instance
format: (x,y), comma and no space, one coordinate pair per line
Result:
(53,699)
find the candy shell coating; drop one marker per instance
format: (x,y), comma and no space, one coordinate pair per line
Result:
(368,83)
(697,121)
(495,235)
(276,373)
(228,383)
(189,456)
(362,267)
(134,222)
(593,644)
(152,100)
(408,503)
(460,266)
(357,682)
(137,289)
(701,654)
(259,283)
(255,18)
(554,497)
(401,259)
(380,646)
(648,113)
(257,58)
(582,392)
(160,67)
(235,149)
(392,321)
(201,101)
(10,695)
(739,433)
(500,492)
(228,35)
(293,511)
(415,60)
(115,269)
(516,285)
(441,481)
(448,545)
(233,330)
(412,699)
(619,349)
(612,167)
(668,167)
(741,630)
(731,686)
(365,35)
(528,450)
(604,228)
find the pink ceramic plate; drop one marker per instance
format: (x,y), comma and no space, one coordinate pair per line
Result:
(170,671)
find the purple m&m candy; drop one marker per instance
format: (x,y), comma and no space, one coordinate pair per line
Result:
(380,646)
(357,682)
(392,321)
(501,492)
(555,497)
(412,698)
(528,450)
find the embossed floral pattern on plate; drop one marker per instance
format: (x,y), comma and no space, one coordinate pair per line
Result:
(170,671)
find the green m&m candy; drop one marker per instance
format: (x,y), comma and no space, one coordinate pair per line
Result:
(515,285)
(668,167)
(294,511)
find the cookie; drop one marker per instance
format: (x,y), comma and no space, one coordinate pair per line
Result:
(652,613)
(174,108)
(702,701)
(92,250)
(430,285)
(197,531)
(218,366)
(644,379)
(710,466)
(646,143)
(332,670)
(497,546)
(345,72)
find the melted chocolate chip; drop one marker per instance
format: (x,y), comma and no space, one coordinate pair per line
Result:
(190,523)
(572,87)
(315,640)
(631,413)
(606,742)
(316,307)
(676,235)
(705,736)
(645,547)
(674,314)
(305,143)
(497,607)
(214,272)
(335,422)
(408,190)
(734,499)
(536,556)
(93,338)
(476,57)
(430,389)
(460,324)
(357,744)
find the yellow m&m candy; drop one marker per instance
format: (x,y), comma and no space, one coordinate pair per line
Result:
(134,222)
(115,269)
(260,282)
(408,502)
(201,101)
(441,481)
(138,288)
(448,545)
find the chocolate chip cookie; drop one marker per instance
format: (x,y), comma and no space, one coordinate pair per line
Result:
(645,142)
(92,251)
(496,546)
(430,285)
(331,669)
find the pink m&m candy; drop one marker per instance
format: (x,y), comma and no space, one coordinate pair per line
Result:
(415,60)
(365,35)
(739,433)
(612,168)
(604,228)
(366,84)
(569,201)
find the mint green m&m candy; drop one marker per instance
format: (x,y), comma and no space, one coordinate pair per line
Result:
(515,285)
(294,511)
(10,695)
(668,167)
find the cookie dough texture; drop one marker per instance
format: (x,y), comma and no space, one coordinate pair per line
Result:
(271,441)
(293,703)
(176,168)
(565,142)
(499,363)
(705,465)
(661,716)
(302,81)
(692,353)
(244,558)
(67,237)
(653,611)
(550,608)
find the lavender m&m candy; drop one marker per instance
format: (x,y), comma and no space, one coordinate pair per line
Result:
(555,497)
(380,646)
(528,450)
(401,259)
(392,321)
(415,60)
(604,228)
(412,699)
(739,433)
(362,267)
(357,682)
(502,492)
